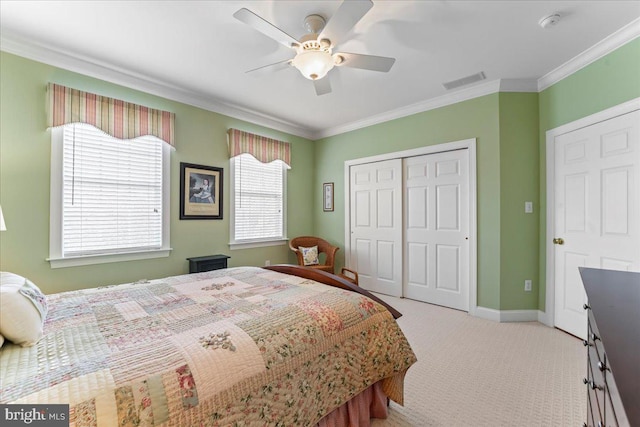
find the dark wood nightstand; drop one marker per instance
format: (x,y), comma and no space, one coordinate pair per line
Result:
(207,263)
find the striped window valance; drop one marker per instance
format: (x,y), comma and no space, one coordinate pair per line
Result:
(262,148)
(120,119)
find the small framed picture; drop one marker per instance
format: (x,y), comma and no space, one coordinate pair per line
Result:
(327,196)
(200,192)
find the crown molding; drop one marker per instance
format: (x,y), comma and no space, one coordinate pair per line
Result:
(92,68)
(607,45)
(518,85)
(46,54)
(76,63)
(476,91)
(419,107)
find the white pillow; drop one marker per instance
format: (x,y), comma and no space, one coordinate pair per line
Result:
(309,255)
(23,308)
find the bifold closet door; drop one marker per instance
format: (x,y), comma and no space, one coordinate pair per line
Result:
(376,225)
(436,200)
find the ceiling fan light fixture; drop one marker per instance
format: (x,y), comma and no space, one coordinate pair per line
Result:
(314,57)
(313,64)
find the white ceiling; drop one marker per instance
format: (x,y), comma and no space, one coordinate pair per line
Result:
(197,52)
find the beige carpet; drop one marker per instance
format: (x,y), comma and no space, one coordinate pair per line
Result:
(476,372)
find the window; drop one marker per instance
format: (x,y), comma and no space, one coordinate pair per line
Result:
(258,202)
(109,197)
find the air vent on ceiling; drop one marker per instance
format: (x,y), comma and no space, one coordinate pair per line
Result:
(464,81)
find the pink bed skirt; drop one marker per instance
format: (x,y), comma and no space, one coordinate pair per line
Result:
(357,412)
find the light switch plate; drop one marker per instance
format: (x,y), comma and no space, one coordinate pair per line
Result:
(528,207)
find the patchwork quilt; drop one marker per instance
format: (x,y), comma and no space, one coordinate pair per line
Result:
(240,346)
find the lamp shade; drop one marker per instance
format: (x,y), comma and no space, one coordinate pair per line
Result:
(313,64)
(3,227)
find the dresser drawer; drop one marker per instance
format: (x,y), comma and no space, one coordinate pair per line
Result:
(595,361)
(604,401)
(609,412)
(591,419)
(615,411)
(595,390)
(594,337)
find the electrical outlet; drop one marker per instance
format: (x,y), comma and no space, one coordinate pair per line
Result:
(527,285)
(267,262)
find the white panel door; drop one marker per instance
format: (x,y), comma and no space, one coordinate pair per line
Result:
(597,213)
(437,228)
(376,225)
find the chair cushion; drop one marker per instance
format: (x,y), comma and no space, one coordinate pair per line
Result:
(23,309)
(309,255)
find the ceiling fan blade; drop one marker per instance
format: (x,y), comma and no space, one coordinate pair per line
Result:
(276,66)
(323,86)
(265,27)
(347,15)
(366,62)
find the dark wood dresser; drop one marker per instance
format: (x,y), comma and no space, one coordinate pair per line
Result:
(613,367)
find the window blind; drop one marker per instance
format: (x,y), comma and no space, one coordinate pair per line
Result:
(258,198)
(112,192)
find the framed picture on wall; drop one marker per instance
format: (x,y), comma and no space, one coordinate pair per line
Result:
(200,191)
(327,196)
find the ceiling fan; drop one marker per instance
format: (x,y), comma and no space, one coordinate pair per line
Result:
(314,51)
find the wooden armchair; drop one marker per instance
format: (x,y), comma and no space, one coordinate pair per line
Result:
(349,275)
(323,247)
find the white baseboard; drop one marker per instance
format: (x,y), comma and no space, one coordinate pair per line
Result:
(509,315)
(545,318)
(519,316)
(486,313)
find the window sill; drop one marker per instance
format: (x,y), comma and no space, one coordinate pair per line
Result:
(103,259)
(248,244)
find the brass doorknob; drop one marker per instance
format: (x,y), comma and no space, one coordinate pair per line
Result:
(558,241)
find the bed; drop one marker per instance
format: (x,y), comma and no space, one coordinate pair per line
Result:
(275,346)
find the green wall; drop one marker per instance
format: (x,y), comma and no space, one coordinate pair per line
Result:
(476,118)
(609,81)
(509,127)
(200,138)
(519,165)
